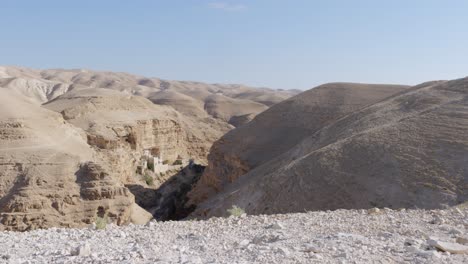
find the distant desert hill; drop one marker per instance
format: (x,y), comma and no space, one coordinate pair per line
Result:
(225,108)
(406,150)
(183,103)
(221,101)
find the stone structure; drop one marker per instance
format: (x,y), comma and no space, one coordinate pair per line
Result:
(159,166)
(153,157)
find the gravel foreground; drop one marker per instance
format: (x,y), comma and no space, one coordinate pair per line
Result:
(342,236)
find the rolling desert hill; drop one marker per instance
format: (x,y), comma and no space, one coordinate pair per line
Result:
(182,103)
(226,108)
(220,101)
(407,150)
(283,126)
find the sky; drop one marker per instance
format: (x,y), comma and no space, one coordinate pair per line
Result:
(293,44)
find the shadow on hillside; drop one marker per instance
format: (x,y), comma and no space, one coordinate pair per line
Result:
(168,201)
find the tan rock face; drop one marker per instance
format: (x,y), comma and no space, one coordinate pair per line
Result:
(47,174)
(121,127)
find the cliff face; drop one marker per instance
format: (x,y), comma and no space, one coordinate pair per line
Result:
(121,127)
(50,176)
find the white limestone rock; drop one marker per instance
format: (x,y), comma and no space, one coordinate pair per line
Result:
(82,251)
(453,248)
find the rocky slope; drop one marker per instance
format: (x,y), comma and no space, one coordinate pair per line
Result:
(409,150)
(342,236)
(281,127)
(50,176)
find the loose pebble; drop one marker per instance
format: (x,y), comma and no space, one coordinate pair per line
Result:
(340,236)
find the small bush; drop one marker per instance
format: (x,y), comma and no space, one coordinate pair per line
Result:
(462,205)
(166,162)
(177,162)
(235,211)
(149,180)
(150,166)
(101,222)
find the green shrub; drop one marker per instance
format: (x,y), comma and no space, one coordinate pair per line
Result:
(166,162)
(149,180)
(150,166)
(101,222)
(235,211)
(177,162)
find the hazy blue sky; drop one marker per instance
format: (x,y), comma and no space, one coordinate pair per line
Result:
(280,44)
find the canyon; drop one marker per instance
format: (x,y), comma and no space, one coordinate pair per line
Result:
(77,146)
(73,142)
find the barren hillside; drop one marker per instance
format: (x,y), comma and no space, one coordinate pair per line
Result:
(283,126)
(408,150)
(222,101)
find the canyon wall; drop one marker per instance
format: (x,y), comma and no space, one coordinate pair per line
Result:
(50,176)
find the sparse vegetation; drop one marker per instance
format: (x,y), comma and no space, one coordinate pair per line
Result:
(150,166)
(101,222)
(236,211)
(462,205)
(177,162)
(166,162)
(149,180)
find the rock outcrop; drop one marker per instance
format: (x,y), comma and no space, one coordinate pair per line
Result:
(50,176)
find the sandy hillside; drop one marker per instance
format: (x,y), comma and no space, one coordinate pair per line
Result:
(283,126)
(409,150)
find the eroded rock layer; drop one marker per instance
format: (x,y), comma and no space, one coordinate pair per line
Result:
(50,176)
